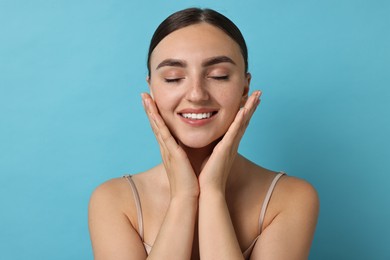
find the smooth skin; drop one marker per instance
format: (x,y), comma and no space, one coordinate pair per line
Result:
(203,201)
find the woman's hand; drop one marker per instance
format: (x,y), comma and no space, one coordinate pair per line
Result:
(182,179)
(216,170)
(217,237)
(176,234)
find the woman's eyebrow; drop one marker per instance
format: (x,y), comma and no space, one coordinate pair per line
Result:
(172,63)
(217,60)
(182,64)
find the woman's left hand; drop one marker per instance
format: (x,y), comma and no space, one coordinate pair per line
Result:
(216,170)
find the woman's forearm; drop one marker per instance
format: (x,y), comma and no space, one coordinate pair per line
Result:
(217,238)
(175,238)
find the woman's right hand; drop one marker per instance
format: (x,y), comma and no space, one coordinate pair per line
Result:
(182,178)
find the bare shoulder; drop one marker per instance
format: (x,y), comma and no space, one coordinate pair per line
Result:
(108,187)
(295,205)
(291,221)
(289,191)
(111,230)
(296,193)
(110,194)
(115,197)
(107,202)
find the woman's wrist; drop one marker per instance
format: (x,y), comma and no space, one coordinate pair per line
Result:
(212,191)
(185,195)
(185,201)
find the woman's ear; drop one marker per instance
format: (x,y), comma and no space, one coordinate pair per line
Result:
(245,93)
(150,89)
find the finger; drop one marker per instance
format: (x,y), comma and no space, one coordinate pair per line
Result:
(234,135)
(251,105)
(150,113)
(241,121)
(243,117)
(151,117)
(161,130)
(255,100)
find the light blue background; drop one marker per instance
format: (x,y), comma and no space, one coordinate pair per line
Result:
(71,117)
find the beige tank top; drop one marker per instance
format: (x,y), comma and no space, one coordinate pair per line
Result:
(246,253)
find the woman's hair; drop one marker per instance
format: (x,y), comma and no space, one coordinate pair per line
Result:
(193,16)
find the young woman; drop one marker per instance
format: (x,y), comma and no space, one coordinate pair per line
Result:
(205,201)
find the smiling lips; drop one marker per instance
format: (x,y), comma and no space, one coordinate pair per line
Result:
(197,117)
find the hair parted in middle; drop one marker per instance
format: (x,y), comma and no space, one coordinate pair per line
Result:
(191,16)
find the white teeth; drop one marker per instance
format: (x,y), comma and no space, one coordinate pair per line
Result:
(196,116)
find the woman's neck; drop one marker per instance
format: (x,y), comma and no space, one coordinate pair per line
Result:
(199,156)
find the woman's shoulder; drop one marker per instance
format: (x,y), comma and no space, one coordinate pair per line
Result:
(110,195)
(288,194)
(293,199)
(293,190)
(289,190)
(120,187)
(287,187)
(112,219)
(117,194)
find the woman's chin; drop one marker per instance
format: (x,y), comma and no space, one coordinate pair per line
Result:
(195,146)
(198,144)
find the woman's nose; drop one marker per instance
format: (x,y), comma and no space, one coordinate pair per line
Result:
(197,91)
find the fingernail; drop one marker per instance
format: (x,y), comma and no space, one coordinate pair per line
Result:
(143,99)
(147,103)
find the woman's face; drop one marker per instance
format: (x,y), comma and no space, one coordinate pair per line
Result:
(198,82)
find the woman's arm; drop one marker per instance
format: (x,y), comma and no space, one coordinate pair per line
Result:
(112,235)
(175,238)
(217,238)
(290,233)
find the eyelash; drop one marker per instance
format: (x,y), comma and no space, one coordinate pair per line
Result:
(226,77)
(176,80)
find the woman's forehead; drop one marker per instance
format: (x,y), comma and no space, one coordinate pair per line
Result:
(196,43)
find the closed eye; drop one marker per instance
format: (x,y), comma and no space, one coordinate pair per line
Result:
(225,77)
(172,80)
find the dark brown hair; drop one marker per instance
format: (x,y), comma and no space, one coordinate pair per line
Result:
(192,16)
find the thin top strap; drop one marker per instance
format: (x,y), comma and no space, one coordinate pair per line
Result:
(261,218)
(267,199)
(138,206)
